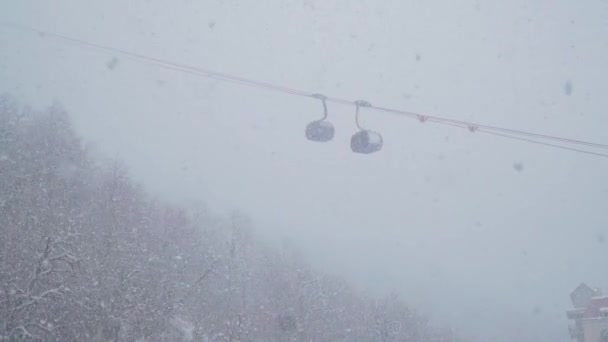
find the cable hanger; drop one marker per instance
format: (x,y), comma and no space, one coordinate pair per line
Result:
(364,141)
(320,130)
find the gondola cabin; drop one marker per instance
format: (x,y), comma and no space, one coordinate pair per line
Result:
(366,141)
(320,130)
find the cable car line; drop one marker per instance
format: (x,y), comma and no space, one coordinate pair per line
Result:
(440,120)
(543,143)
(528,140)
(473,127)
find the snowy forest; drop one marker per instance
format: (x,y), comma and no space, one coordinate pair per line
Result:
(87,255)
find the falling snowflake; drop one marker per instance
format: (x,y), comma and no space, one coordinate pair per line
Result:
(568,88)
(519,167)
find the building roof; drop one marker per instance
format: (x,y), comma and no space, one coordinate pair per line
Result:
(581,296)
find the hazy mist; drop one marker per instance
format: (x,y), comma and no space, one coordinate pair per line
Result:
(482,234)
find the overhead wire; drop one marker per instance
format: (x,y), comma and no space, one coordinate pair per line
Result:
(525,136)
(441,120)
(527,140)
(544,143)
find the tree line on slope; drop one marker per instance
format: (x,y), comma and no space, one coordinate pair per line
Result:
(87,255)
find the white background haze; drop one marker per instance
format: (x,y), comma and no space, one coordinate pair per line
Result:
(440,216)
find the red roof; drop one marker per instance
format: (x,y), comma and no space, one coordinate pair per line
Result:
(593,309)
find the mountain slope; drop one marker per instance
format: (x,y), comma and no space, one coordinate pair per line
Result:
(85,254)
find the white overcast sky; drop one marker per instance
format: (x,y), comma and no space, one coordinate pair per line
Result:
(440,215)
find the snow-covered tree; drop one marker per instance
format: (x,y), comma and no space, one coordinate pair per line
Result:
(87,255)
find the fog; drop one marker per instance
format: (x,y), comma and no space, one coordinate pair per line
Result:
(480,233)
